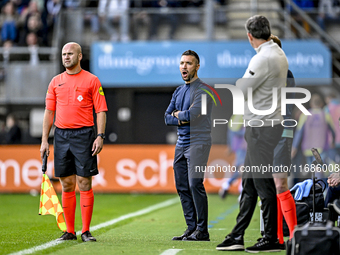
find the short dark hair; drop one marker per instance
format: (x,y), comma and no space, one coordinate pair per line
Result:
(191,53)
(258,26)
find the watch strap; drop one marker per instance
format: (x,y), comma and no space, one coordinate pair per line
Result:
(102,135)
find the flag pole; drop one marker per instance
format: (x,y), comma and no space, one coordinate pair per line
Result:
(49,202)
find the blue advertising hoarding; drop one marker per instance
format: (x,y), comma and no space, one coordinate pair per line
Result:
(156,64)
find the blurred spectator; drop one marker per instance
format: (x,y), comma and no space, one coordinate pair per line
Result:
(299,158)
(13,135)
(40,5)
(220,16)
(32,40)
(20,5)
(333,108)
(32,43)
(238,145)
(72,4)
(139,19)
(305,5)
(328,10)
(31,23)
(193,18)
(312,131)
(92,16)
(31,9)
(192,3)
(34,25)
(163,15)
(53,8)
(112,13)
(49,18)
(8,23)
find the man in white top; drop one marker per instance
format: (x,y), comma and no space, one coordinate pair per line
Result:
(112,12)
(261,85)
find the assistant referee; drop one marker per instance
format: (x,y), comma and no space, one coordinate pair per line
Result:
(71,97)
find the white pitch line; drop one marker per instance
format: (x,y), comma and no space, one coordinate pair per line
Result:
(102,225)
(171,251)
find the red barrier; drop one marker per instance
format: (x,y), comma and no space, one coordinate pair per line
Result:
(122,168)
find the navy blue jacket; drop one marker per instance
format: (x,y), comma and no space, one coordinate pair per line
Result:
(187,99)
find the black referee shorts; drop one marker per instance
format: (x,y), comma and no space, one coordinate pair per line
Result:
(73,152)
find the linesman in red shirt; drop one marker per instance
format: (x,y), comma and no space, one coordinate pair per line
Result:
(71,97)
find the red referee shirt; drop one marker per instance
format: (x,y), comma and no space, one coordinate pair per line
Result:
(73,97)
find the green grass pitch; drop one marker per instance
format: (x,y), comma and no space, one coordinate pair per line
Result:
(21,227)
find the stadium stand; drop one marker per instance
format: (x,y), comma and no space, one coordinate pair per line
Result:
(25,71)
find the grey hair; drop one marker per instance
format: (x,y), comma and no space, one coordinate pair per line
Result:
(258,26)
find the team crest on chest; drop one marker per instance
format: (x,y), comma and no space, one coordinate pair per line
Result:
(80,98)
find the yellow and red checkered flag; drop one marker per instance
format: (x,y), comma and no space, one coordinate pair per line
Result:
(49,202)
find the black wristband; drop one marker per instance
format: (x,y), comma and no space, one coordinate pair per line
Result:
(102,135)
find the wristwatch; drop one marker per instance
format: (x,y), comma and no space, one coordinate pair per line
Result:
(102,135)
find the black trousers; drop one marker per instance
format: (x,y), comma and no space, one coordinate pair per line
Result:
(261,142)
(189,184)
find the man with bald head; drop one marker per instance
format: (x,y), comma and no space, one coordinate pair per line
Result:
(71,98)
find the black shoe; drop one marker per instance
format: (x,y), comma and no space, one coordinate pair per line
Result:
(186,234)
(264,245)
(336,206)
(230,244)
(282,246)
(87,237)
(197,236)
(67,236)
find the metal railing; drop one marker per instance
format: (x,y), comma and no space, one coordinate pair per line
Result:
(28,71)
(332,44)
(65,29)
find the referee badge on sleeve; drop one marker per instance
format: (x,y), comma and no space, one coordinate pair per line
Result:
(101,92)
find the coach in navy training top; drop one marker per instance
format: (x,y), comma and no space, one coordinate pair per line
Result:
(186,95)
(192,148)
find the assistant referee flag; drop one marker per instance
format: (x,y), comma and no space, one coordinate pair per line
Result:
(49,202)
